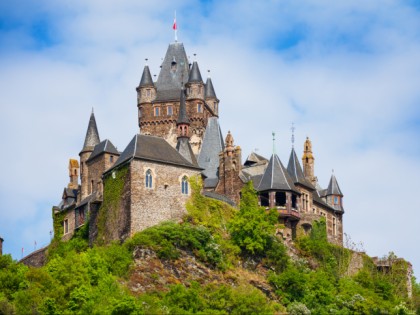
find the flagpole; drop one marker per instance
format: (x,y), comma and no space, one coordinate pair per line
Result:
(175,27)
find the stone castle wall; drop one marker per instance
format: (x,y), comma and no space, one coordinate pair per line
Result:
(164,201)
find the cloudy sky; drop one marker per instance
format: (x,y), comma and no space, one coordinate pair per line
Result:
(347,73)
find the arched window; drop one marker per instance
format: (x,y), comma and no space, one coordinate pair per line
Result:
(149,179)
(184,185)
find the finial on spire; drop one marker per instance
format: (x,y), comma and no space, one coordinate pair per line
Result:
(146,59)
(274,142)
(293,134)
(175,28)
(208,71)
(92,109)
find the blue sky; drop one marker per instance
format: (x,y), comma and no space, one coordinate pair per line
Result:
(345,72)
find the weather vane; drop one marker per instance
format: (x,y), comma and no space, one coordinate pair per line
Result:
(274,143)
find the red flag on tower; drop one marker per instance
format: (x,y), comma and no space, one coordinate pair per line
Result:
(174,26)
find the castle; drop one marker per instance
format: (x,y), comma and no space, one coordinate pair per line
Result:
(180,137)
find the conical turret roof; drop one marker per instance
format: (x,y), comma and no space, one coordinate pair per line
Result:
(195,75)
(209,90)
(146,78)
(182,117)
(92,134)
(333,188)
(276,177)
(295,170)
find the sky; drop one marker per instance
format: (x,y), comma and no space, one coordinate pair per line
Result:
(346,73)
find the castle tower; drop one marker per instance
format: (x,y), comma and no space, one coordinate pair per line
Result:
(91,140)
(1,246)
(230,165)
(308,162)
(335,200)
(183,140)
(73,174)
(210,96)
(146,93)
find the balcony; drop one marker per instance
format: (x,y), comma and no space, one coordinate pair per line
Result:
(286,213)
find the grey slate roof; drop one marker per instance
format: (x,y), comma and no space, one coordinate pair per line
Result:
(212,145)
(213,195)
(195,75)
(170,81)
(92,134)
(209,89)
(255,158)
(105,146)
(333,188)
(276,177)
(184,148)
(182,116)
(295,171)
(146,78)
(317,199)
(154,149)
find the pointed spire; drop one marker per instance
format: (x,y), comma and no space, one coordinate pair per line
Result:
(333,188)
(209,90)
(276,177)
(195,75)
(183,116)
(92,134)
(146,78)
(295,170)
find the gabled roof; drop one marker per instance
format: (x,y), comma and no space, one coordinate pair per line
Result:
(146,78)
(195,75)
(255,158)
(92,134)
(171,77)
(276,177)
(333,188)
(105,146)
(182,116)
(212,145)
(184,148)
(295,171)
(209,89)
(153,149)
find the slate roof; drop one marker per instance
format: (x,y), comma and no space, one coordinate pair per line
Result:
(295,171)
(276,177)
(317,198)
(146,78)
(213,195)
(92,134)
(184,148)
(170,81)
(255,158)
(68,199)
(212,145)
(209,89)
(195,75)
(333,188)
(153,149)
(105,146)
(182,116)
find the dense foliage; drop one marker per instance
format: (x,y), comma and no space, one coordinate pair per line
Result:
(82,280)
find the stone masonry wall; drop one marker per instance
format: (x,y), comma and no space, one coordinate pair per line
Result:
(164,201)
(36,259)
(70,217)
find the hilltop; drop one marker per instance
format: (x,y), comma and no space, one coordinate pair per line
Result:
(218,260)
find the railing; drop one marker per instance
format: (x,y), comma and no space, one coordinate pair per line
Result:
(288,213)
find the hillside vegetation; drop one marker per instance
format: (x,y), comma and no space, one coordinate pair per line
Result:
(219,260)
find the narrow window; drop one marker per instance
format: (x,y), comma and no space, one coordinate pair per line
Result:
(334,227)
(66,226)
(148,92)
(149,179)
(199,108)
(184,185)
(156,111)
(111,159)
(169,110)
(91,186)
(335,200)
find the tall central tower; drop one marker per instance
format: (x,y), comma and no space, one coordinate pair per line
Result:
(159,102)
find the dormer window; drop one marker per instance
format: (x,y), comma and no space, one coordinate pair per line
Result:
(173,64)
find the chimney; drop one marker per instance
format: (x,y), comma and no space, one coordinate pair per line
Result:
(1,246)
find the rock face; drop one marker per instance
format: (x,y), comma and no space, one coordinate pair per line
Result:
(153,274)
